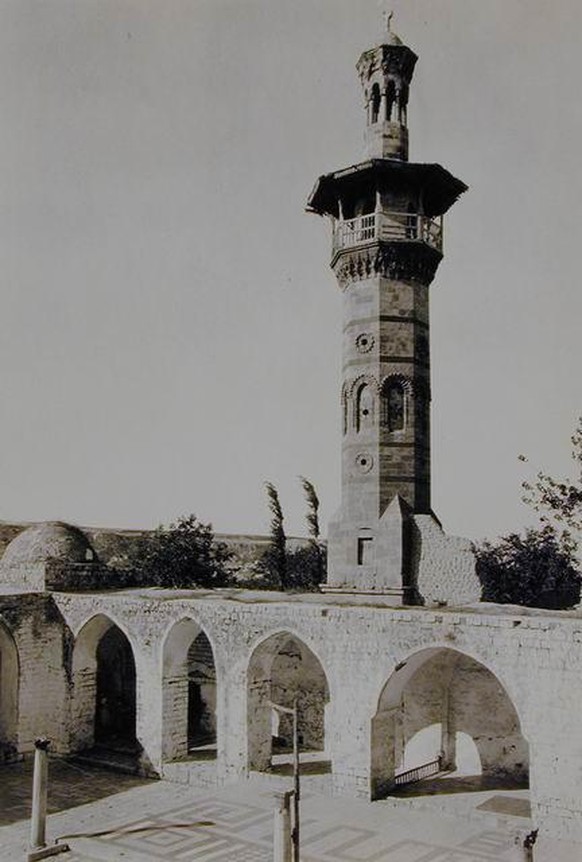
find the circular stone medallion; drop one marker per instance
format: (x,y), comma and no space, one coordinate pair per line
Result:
(364,462)
(364,342)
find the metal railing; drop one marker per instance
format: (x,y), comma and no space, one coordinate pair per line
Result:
(388,226)
(418,772)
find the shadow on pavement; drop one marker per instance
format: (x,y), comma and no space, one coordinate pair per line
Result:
(456,784)
(68,786)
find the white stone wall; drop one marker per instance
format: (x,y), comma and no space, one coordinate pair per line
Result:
(536,657)
(41,691)
(443,566)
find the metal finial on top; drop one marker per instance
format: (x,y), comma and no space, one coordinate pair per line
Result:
(388,18)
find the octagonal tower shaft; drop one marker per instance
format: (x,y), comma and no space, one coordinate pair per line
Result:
(387,235)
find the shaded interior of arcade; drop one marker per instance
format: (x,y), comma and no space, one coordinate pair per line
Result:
(445,724)
(284,674)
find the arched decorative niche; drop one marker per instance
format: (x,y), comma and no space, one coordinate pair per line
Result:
(364,394)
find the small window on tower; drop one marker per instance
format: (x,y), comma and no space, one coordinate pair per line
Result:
(393,407)
(365,551)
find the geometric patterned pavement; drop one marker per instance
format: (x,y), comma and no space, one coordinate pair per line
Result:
(244,833)
(165,822)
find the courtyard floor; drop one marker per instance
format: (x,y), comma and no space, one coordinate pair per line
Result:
(148,821)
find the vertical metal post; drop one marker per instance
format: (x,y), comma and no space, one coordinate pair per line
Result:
(296,786)
(39,793)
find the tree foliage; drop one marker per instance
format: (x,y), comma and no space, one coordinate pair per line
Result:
(308,564)
(560,502)
(312,516)
(183,554)
(539,568)
(306,567)
(276,555)
(296,568)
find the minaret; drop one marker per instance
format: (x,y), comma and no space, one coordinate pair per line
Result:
(387,235)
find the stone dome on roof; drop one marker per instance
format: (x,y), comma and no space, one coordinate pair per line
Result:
(50,540)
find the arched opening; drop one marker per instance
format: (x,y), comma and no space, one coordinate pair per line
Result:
(445,723)
(283,671)
(9,677)
(104,692)
(390,99)
(115,690)
(189,694)
(426,745)
(375,100)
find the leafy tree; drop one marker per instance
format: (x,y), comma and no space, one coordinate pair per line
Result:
(560,502)
(306,568)
(285,568)
(183,554)
(539,568)
(309,563)
(312,516)
(276,556)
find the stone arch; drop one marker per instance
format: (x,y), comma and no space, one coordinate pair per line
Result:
(444,686)
(282,669)
(425,745)
(344,401)
(9,688)
(188,693)
(355,384)
(103,704)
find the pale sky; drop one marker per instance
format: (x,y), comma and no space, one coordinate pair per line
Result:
(170,327)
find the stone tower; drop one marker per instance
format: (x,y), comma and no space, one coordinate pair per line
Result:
(387,229)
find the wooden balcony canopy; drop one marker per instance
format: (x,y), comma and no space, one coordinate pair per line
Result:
(435,186)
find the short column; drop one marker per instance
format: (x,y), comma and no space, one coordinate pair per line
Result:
(282,826)
(38,845)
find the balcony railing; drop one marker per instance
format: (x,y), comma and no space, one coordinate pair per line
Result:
(419,772)
(388,226)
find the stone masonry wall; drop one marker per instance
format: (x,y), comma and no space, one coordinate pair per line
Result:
(42,687)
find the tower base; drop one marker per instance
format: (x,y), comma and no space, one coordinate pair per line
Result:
(410,560)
